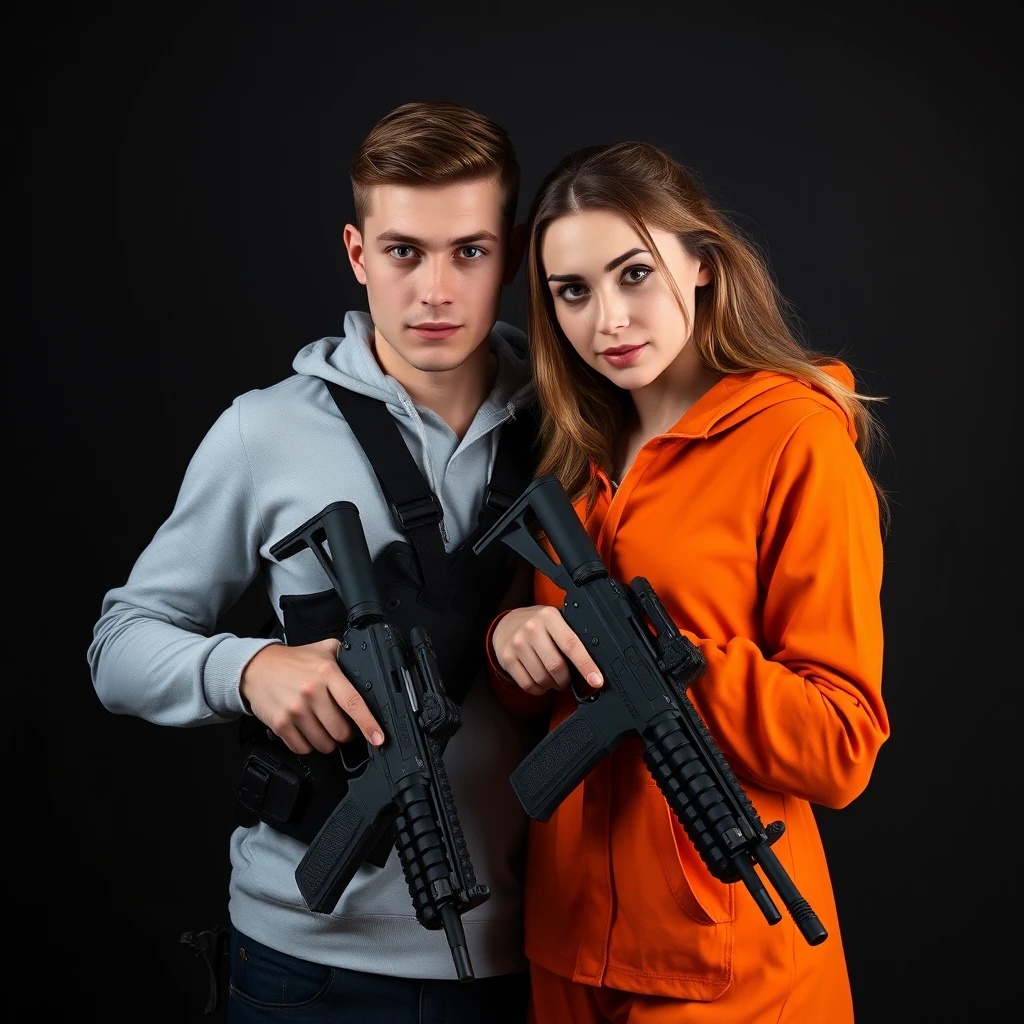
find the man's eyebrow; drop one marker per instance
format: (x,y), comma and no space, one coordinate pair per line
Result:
(403,239)
(397,236)
(478,236)
(611,265)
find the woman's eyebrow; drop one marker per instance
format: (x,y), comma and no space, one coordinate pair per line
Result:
(622,259)
(611,265)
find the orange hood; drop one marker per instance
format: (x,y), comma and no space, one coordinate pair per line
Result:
(737,397)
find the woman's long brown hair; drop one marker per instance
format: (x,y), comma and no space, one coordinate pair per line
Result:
(740,318)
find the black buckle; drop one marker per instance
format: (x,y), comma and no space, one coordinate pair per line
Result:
(252,788)
(497,499)
(418,512)
(269,788)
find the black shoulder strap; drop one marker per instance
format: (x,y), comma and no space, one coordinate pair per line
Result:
(414,505)
(514,465)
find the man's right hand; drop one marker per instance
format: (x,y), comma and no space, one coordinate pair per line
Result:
(303,697)
(536,647)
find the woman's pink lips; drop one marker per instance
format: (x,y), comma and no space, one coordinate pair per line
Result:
(431,332)
(623,356)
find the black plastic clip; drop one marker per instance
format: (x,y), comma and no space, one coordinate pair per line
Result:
(497,499)
(418,512)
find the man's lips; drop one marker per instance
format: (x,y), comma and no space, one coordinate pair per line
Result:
(436,329)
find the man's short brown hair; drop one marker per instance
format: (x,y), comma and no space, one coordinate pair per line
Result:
(433,144)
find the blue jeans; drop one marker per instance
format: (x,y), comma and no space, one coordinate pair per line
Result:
(268,986)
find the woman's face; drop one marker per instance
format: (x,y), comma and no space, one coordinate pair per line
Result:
(613,304)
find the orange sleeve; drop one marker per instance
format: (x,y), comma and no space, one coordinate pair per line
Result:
(803,713)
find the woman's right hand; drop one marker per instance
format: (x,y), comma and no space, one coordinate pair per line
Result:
(536,647)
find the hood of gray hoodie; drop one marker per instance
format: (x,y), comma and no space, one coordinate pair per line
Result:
(349,361)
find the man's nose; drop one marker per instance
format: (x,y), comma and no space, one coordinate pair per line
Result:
(439,283)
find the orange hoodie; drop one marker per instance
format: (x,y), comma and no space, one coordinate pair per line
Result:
(756,523)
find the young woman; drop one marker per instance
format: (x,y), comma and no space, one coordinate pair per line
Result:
(705,449)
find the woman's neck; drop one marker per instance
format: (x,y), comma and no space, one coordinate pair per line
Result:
(658,406)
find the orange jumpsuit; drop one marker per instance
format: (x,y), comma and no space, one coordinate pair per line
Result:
(756,523)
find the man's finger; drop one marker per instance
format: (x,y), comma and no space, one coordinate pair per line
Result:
(314,732)
(348,710)
(351,702)
(330,645)
(294,740)
(330,716)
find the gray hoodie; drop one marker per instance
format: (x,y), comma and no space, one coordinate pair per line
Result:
(272,460)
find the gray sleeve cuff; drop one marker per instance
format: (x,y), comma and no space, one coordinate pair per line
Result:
(222,674)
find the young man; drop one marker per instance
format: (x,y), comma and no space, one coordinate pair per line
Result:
(428,377)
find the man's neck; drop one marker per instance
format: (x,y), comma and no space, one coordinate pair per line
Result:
(455,395)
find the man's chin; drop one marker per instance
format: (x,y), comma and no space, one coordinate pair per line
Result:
(424,356)
(439,357)
(440,362)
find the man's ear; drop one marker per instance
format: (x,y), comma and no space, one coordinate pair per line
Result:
(517,240)
(354,246)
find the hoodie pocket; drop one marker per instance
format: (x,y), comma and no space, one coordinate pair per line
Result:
(699,894)
(673,929)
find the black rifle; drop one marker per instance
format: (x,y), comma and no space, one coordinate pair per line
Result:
(646,674)
(403,794)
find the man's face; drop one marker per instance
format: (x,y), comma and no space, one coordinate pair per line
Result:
(433,260)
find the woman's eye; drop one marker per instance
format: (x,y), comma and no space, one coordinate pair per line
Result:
(572,292)
(636,274)
(402,252)
(471,252)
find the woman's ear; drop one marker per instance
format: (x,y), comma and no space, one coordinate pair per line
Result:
(704,276)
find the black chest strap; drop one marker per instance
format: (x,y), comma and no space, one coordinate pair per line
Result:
(415,508)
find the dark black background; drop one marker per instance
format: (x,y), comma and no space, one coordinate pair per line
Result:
(177,192)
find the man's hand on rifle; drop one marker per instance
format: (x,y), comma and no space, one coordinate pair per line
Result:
(301,694)
(536,647)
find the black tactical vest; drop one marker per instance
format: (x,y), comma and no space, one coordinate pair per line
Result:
(453,596)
